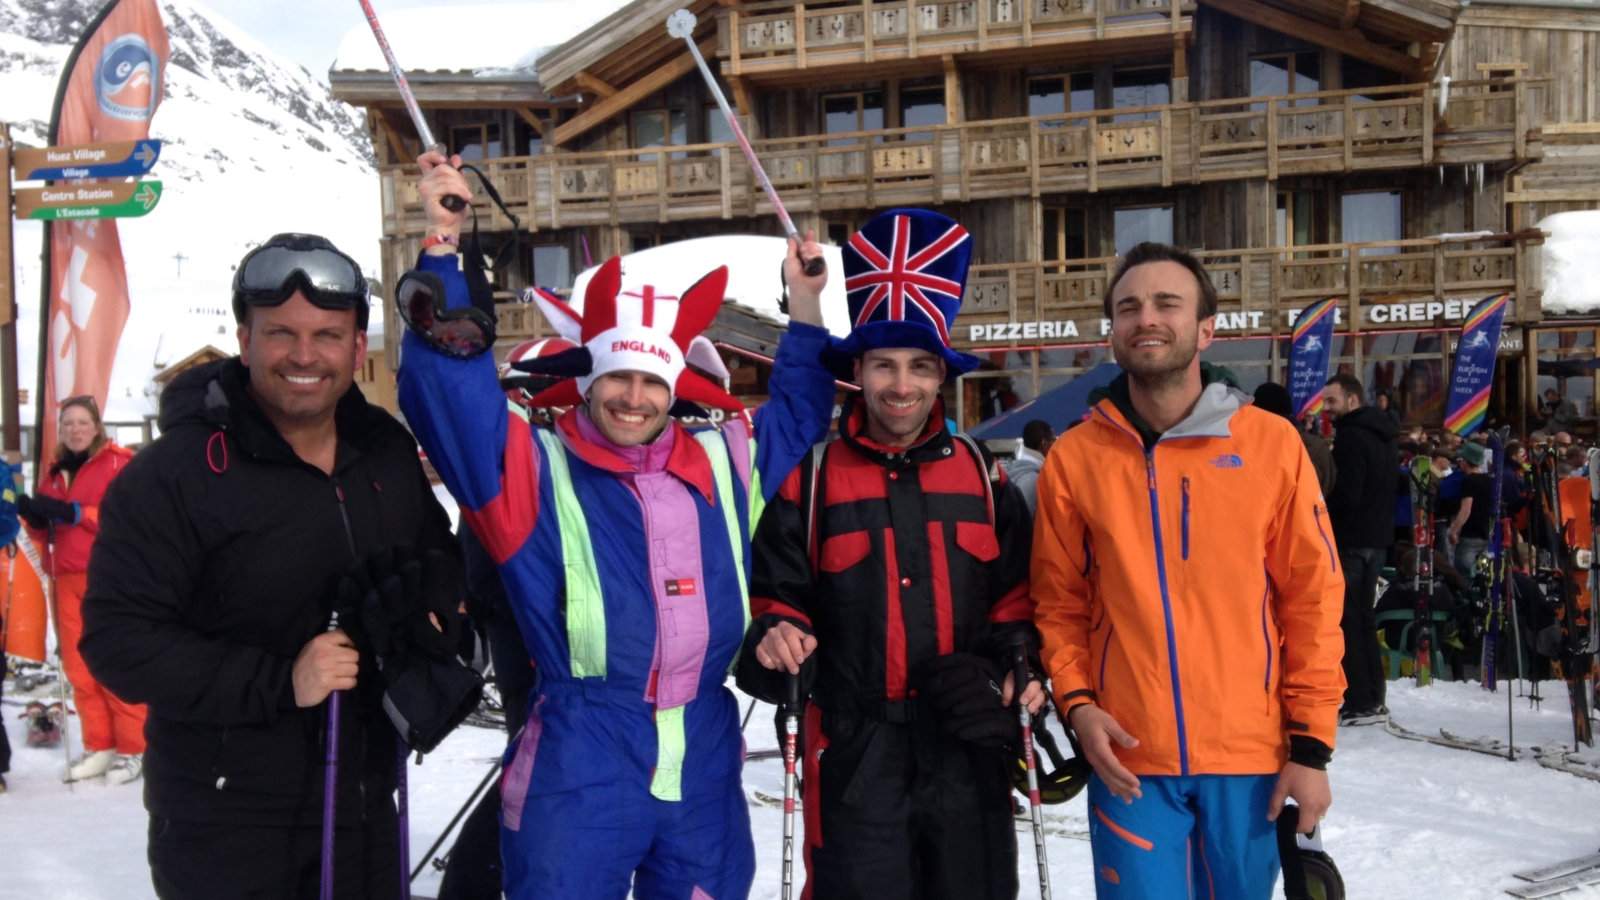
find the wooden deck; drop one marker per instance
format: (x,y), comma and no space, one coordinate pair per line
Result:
(769,38)
(1389,128)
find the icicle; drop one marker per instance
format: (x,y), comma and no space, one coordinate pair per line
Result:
(1444,94)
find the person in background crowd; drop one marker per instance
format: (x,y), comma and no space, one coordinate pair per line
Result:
(1274,398)
(1362,509)
(1470,525)
(1037,436)
(64,518)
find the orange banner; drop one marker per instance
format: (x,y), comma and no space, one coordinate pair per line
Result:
(111,87)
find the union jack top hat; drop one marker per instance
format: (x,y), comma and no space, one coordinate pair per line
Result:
(905,272)
(638,328)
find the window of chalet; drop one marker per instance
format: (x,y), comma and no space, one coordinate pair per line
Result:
(1135,224)
(476,142)
(552,266)
(1065,233)
(1284,74)
(1146,86)
(921,106)
(856,111)
(1295,218)
(716,127)
(658,128)
(1372,216)
(1052,95)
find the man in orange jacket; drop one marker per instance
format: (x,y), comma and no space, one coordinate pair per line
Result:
(1189,596)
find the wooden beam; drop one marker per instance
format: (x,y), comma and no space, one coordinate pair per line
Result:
(593,85)
(676,68)
(952,91)
(741,95)
(532,120)
(1347,41)
(1352,9)
(397,144)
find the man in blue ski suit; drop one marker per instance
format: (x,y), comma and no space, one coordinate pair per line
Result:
(623,540)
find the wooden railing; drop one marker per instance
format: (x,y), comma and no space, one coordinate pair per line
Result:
(1394,127)
(778,35)
(1258,288)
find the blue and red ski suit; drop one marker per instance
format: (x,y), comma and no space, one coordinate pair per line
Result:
(626,570)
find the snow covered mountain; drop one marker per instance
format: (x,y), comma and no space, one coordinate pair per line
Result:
(254,145)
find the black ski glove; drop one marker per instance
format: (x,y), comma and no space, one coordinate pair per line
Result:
(42,512)
(385,606)
(962,692)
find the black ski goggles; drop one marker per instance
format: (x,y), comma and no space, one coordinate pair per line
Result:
(463,332)
(270,274)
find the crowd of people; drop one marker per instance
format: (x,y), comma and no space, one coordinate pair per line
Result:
(274,593)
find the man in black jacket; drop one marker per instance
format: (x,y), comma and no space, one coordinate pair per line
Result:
(221,549)
(1367,458)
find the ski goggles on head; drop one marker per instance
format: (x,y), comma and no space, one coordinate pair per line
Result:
(462,332)
(273,272)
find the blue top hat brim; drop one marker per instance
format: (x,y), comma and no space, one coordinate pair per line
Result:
(841,354)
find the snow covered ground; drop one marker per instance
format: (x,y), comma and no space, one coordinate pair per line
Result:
(1408,818)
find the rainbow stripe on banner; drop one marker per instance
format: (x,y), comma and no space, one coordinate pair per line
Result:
(1309,349)
(1472,378)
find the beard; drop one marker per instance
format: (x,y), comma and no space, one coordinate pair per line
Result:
(1154,371)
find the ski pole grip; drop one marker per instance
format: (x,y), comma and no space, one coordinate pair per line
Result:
(1019,667)
(814,266)
(452,203)
(791,694)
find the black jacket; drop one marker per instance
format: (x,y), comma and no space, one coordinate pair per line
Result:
(910,564)
(218,557)
(1367,458)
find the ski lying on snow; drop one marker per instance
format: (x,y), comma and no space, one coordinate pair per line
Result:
(1564,761)
(1556,886)
(1558,869)
(1490,746)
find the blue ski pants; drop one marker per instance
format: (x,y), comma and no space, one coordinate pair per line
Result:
(1200,837)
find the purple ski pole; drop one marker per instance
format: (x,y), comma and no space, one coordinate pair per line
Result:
(330,784)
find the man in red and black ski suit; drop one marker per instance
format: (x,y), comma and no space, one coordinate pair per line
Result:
(907,577)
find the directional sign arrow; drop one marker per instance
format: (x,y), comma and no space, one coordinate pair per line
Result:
(123,200)
(115,159)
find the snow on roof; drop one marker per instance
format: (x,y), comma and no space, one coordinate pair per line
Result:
(1571,266)
(753,263)
(489,40)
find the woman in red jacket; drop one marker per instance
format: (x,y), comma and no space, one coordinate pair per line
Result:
(65,518)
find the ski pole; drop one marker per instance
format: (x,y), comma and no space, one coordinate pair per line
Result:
(1019,673)
(472,800)
(791,737)
(449,201)
(54,596)
(681,25)
(403,816)
(330,783)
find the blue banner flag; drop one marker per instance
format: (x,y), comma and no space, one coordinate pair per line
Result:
(1308,357)
(1473,375)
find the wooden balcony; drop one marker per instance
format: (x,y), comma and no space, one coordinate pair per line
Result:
(766,39)
(1387,128)
(1259,289)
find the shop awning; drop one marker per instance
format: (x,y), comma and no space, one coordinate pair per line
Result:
(1060,406)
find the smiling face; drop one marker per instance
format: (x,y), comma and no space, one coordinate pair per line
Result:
(629,408)
(78,428)
(898,387)
(302,359)
(1156,329)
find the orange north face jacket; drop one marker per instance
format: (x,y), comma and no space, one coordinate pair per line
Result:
(1192,590)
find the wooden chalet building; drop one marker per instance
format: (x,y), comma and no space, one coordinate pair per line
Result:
(1397,154)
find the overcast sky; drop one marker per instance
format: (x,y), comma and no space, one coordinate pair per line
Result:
(306,31)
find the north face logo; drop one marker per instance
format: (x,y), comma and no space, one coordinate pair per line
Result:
(1228,461)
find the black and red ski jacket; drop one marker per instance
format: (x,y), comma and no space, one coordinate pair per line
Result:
(910,562)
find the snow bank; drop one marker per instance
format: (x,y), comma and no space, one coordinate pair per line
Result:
(1572,262)
(489,39)
(753,263)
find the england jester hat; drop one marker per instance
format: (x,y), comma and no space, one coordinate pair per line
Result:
(631,329)
(905,272)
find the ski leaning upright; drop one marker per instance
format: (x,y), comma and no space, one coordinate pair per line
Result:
(1422,505)
(1576,651)
(1494,621)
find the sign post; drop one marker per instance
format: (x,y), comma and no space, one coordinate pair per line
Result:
(115,159)
(10,405)
(124,200)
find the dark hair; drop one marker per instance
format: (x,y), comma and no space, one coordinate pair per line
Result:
(1348,383)
(1035,433)
(88,404)
(1149,252)
(1274,398)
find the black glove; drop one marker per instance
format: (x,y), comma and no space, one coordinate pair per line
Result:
(388,606)
(962,692)
(42,512)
